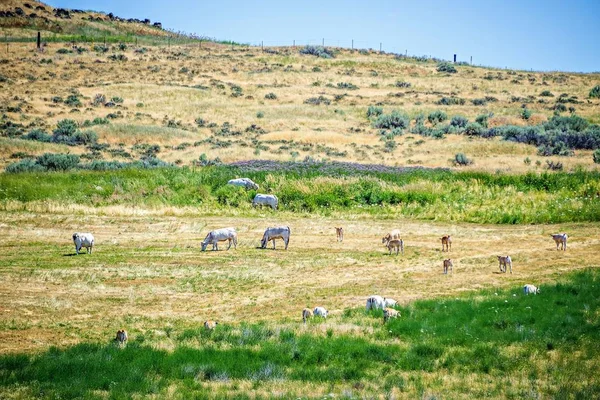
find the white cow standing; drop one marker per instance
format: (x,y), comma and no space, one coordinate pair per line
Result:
(280,232)
(530,289)
(246,183)
(561,240)
(320,312)
(220,235)
(83,240)
(265,200)
(374,302)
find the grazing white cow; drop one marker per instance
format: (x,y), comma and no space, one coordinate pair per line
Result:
(220,235)
(122,337)
(503,261)
(388,302)
(210,325)
(395,234)
(448,266)
(339,233)
(265,200)
(306,314)
(320,312)
(389,313)
(446,243)
(560,239)
(280,232)
(83,240)
(395,244)
(374,302)
(530,289)
(246,183)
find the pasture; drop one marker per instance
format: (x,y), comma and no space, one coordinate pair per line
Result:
(148,275)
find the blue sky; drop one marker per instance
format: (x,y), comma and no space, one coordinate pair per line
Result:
(536,34)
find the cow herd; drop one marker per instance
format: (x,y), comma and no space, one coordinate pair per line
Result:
(392,240)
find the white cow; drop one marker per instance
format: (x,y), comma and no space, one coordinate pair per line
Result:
(246,183)
(530,289)
(374,302)
(220,235)
(265,200)
(560,239)
(280,232)
(210,325)
(389,302)
(320,312)
(83,240)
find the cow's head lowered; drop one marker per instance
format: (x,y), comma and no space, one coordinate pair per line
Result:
(206,241)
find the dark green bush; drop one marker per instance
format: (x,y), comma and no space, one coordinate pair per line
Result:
(318,101)
(391,121)
(546,93)
(446,67)
(271,96)
(436,117)
(73,101)
(461,159)
(58,162)
(38,135)
(479,102)
(459,122)
(63,51)
(482,120)
(317,51)
(525,113)
(474,129)
(596,156)
(26,165)
(347,85)
(451,101)
(595,92)
(374,111)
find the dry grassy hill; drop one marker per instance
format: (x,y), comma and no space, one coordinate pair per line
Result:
(238,102)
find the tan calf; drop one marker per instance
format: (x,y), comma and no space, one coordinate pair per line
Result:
(339,233)
(210,325)
(306,314)
(389,313)
(448,266)
(561,240)
(503,261)
(446,243)
(395,244)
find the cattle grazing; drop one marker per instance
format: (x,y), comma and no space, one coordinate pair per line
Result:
(280,232)
(83,240)
(220,235)
(306,314)
(320,312)
(560,239)
(265,200)
(388,302)
(339,233)
(122,337)
(503,261)
(446,243)
(530,289)
(374,302)
(395,234)
(246,183)
(210,325)
(389,313)
(448,266)
(395,244)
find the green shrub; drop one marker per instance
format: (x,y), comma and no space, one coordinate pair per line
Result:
(596,156)
(459,122)
(595,92)
(546,93)
(63,51)
(446,67)
(317,51)
(271,96)
(474,129)
(347,85)
(554,165)
(100,48)
(482,120)
(436,117)
(122,46)
(374,111)
(451,101)
(65,127)
(402,84)
(525,113)
(318,101)
(260,114)
(461,159)
(73,101)
(479,102)
(391,121)
(26,165)
(38,135)
(117,99)
(58,162)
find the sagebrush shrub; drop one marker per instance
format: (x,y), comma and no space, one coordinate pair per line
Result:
(26,165)
(546,93)
(436,117)
(451,101)
(391,121)
(58,162)
(459,122)
(446,67)
(38,135)
(596,156)
(271,96)
(374,111)
(462,159)
(318,51)
(595,92)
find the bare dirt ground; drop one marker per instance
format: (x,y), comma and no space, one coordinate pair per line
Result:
(148,271)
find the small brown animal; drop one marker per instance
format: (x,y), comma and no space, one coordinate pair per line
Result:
(121,338)
(339,233)
(561,240)
(389,313)
(396,244)
(446,242)
(210,325)
(448,265)
(395,234)
(306,314)
(503,261)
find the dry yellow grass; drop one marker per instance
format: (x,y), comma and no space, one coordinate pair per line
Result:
(148,267)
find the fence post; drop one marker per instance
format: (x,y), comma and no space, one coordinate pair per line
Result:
(39,40)
(406,53)
(352,44)
(471,60)
(323,42)
(380,47)
(455,59)
(294,43)
(262,46)
(169,42)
